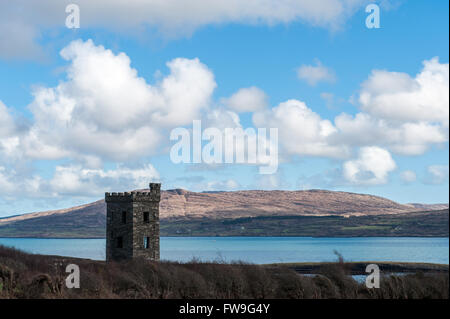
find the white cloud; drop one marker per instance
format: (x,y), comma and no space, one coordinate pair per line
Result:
(301,131)
(221,118)
(6,121)
(105,109)
(408,176)
(9,135)
(370,168)
(403,114)
(416,138)
(75,181)
(247,100)
(6,185)
(436,174)
(226,185)
(398,96)
(408,138)
(115,97)
(304,132)
(170,17)
(315,74)
(271,181)
(237,141)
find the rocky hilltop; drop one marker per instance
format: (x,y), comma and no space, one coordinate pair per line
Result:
(180,207)
(237,204)
(182,203)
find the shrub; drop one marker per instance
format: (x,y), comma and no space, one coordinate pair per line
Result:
(33,276)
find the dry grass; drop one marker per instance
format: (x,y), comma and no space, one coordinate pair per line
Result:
(25,275)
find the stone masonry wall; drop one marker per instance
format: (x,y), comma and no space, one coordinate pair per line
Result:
(136,229)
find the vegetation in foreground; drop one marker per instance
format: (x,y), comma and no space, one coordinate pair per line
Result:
(25,275)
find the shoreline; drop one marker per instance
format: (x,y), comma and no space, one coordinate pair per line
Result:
(306,268)
(358,267)
(180,236)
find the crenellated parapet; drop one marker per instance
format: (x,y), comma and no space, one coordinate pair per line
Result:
(153,195)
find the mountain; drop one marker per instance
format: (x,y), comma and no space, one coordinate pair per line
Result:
(82,221)
(181,206)
(182,203)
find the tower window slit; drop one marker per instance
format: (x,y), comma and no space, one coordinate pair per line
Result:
(119,242)
(146,242)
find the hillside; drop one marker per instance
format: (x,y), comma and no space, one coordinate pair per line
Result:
(415,224)
(182,203)
(182,212)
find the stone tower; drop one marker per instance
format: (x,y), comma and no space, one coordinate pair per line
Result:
(132,224)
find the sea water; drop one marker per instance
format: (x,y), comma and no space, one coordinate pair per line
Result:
(259,250)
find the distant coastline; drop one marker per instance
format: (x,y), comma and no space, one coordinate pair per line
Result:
(305,213)
(258,250)
(415,224)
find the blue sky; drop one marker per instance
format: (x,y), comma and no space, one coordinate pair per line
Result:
(67,135)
